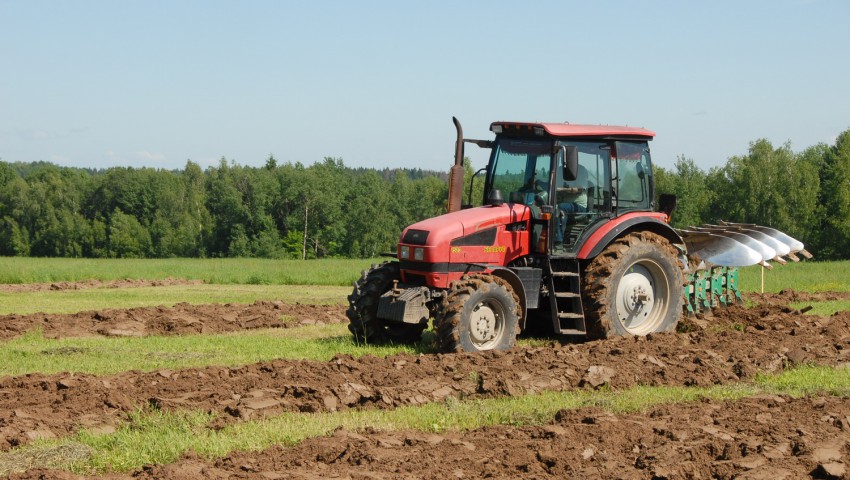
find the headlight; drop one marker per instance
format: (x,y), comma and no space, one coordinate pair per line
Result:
(418,254)
(405,251)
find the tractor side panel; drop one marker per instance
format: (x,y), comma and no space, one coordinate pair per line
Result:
(507,246)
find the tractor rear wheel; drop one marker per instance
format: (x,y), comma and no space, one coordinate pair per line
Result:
(480,312)
(362,310)
(634,287)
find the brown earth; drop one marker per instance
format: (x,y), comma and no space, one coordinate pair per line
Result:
(182,318)
(733,346)
(767,437)
(123,283)
(792,296)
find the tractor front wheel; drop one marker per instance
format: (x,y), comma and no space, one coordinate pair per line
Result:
(634,287)
(480,312)
(362,311)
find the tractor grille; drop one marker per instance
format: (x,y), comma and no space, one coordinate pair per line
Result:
(415,279)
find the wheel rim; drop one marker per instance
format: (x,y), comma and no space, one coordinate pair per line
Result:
(642,298)
(487,324)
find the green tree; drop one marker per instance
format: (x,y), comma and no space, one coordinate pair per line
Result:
(127,237)
(803,190)
(371,229)
(835,197)
(314,200)
(14,241)
(756,185)
(693,198)
(476,182)
(429,198)
(224,202)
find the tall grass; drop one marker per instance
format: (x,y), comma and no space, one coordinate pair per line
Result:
(252,271)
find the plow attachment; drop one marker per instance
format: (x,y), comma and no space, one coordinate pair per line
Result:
(721,249)
(708,288)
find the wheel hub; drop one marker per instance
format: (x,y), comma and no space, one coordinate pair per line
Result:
(483,324)
(636,300)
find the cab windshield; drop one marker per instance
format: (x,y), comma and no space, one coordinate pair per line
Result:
(521,170)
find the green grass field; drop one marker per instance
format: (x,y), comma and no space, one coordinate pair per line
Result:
(312,281)
(71,301)
(803,276)
(249,271)
(807,276)
(102,355)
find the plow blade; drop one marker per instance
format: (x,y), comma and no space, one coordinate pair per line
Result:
(719,249)
(794,245)
(765,250)
(741,244)
(722,248)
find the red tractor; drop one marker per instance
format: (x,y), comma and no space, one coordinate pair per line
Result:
(568,236)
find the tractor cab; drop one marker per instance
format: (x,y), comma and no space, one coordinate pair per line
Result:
(576,176)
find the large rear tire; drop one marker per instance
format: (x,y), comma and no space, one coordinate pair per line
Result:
(480,312)
(362,311)
(634,287)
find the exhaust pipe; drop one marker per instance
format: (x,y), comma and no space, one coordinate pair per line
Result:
(456,172)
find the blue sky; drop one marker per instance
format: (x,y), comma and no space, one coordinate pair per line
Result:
(155,83)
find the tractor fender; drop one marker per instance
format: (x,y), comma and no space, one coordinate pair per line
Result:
(631,222)
(513,280)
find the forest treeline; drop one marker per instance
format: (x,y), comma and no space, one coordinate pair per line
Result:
(327,209)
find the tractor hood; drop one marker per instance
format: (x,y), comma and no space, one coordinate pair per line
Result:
(445,228)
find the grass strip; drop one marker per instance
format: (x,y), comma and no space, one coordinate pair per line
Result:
(161,438)
(824,309)
(72,301)
(254,271)
(32,352)
(806,276)
(803,276)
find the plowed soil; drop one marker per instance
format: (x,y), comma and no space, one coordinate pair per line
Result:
(793,296)
(124,283)
(183,318)
(770,437)
(735,345)
(767,437)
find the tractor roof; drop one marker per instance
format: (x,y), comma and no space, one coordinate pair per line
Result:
(570,130)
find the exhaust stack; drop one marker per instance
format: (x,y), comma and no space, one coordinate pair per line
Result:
(456,172)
